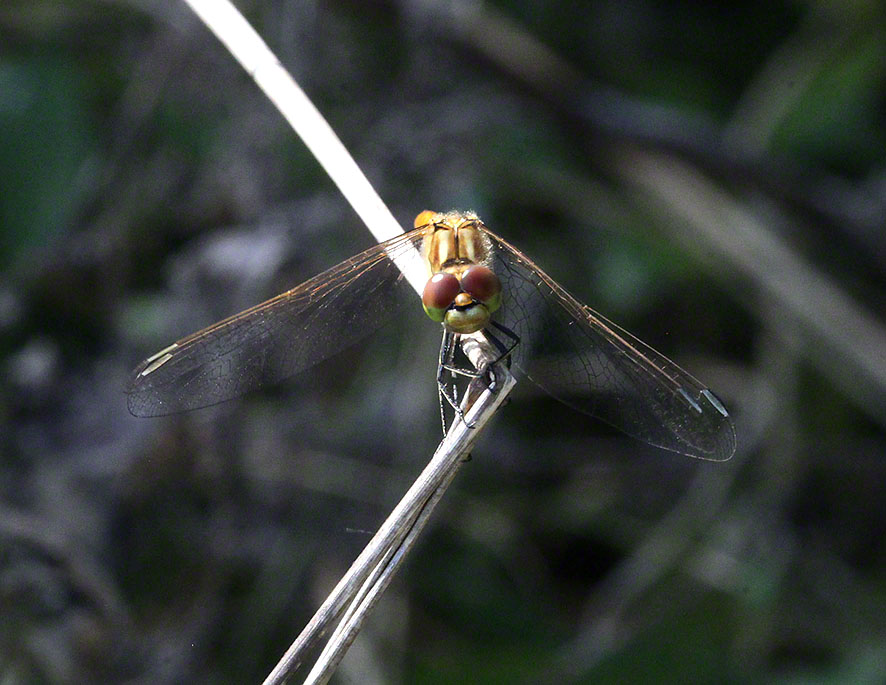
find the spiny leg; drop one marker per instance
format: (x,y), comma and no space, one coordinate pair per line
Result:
(441,366)
(442,413)
(446,364)
(504,349)
(488,370)
(448,348)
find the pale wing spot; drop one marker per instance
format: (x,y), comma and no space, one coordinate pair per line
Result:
(157,360)
(712,398)
(691,401)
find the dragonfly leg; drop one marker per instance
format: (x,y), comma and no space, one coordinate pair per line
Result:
(445,352)
(442,412)
(504,353)
(504,349)
(445,385)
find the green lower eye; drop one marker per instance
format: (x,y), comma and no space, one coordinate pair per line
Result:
(435,314)
(493,303)
(467,320)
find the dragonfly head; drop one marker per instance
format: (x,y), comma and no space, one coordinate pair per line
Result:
(463,306)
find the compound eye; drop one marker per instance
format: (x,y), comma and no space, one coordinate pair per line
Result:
(482,284)
(439,293)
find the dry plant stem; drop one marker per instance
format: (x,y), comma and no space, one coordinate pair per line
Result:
(483,408)
(232,29)
(384,553)
(372,590)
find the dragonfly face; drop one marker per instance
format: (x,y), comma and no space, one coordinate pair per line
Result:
(463,292)
(476,280)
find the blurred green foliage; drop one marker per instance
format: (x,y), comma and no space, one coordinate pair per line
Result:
(47,134)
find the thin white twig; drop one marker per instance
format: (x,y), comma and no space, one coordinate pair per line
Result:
(371,592)
(430,484)
(247,47)
(452,453)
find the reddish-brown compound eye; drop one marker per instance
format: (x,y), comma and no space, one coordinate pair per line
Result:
(483,285)
(438,294)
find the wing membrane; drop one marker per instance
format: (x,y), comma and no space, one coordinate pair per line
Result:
(566,348)
(277,338)
(598,368)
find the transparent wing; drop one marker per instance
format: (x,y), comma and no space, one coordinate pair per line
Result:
(278,338)
(598,368)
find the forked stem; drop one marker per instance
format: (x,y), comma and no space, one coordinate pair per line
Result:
(360,588)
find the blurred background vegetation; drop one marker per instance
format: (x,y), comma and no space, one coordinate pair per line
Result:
(710,176)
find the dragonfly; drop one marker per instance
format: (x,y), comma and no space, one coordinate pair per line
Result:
(476,283)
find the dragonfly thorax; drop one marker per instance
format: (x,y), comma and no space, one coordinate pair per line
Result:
(453,241)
